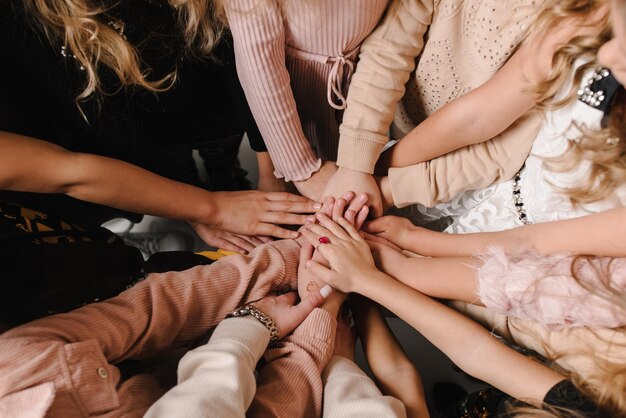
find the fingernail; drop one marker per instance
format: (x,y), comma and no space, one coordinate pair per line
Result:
(363,198)
(294,234)
(325,291)
(310,218)
(317,206)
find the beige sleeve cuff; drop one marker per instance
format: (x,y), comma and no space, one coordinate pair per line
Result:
(410,185)
(247,331)
(349,392)
(357,151)
(470,168)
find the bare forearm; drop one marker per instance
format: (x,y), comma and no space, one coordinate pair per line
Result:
(445,277)
(601,234)
(465,342)
(393,370)
(450,128)
(32,165)
(473,118)
(124,186)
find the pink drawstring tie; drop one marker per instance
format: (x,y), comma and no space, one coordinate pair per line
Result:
(341,65)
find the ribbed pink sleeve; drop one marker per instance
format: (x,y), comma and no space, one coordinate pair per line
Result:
(77,351)
(290,385)
(259,36)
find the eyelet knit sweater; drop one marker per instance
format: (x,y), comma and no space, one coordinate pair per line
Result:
(422,56)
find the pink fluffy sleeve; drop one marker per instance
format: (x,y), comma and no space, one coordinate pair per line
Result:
(557,290)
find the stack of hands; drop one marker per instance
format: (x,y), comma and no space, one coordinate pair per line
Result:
(336,253)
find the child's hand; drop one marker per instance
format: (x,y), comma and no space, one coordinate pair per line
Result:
(287,315)
(380,240)
(308,282)
(347,253)
(387,258)
(350,206)
(396,229)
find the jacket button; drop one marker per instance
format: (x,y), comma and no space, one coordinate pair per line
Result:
(103,372)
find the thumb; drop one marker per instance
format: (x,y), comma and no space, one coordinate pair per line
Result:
(306,252)
(362,216)
(373,226)
(311,301)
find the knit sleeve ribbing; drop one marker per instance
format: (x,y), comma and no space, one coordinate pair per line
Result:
(470,168)
(259,39)
(386,61)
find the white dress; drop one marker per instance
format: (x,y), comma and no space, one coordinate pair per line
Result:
(493,208)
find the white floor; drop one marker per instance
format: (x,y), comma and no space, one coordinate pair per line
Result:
(433,365)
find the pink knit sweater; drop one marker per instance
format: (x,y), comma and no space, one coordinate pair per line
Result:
(65,365)
(294,60)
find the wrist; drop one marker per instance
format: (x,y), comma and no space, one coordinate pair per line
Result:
(332,305)
(315,184)
(349,171)
(263,318)
(209,208)
(384,185)
(370,283)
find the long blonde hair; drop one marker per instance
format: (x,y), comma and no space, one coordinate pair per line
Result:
(596,353)
(605,149)
(75,24)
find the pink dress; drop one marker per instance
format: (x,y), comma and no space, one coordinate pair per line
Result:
(543,288)
(294,60)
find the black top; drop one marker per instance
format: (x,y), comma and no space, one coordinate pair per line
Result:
(563,397)
(39,85)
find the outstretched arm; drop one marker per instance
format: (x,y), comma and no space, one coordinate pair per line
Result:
(488,110)
(601,234)
(31,165)
(217,378)
(465,342)
(386,61)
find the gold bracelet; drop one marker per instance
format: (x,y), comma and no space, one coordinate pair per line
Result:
(263,318)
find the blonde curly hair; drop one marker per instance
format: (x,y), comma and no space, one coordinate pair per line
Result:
(605,149)
(75,24)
